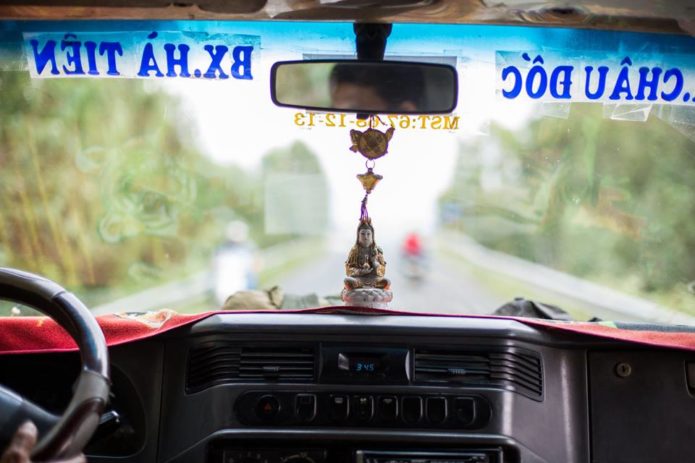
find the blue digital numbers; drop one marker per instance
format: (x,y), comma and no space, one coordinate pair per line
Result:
(365,367)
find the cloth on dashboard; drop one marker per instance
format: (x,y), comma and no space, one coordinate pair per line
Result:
(41,334)
(272,299)
(521,307)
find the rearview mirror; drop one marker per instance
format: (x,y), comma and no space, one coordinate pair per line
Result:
(386,87)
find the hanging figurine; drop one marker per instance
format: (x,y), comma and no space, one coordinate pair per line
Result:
(365,267)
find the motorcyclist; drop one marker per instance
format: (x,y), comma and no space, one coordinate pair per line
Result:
(412,245)
(413,255)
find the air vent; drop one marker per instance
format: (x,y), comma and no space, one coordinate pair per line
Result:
(519,371)
(219,363)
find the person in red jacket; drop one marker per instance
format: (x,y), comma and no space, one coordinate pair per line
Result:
(412,245)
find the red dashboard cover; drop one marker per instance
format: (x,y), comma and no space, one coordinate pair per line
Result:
(41,334)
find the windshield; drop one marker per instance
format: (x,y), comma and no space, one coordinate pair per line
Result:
(143,165)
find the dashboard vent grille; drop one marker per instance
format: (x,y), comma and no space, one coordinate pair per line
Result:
(519,371)
(220,363)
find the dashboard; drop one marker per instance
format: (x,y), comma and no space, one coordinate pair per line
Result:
(316,388)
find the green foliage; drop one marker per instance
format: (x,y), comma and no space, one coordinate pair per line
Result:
(611,201)
(101,190)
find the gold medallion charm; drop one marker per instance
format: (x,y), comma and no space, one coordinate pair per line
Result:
(371,143)
(369,180)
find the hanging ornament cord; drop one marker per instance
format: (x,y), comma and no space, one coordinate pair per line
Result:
(369,164)
(364,213)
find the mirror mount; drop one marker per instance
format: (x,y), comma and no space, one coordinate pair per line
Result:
(370,43)
(370,40)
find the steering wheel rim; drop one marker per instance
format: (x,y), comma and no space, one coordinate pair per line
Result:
(73,429)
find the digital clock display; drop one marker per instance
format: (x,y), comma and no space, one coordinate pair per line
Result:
(360,364)
(364,366)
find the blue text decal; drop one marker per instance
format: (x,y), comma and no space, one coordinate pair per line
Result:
(630,79)
(154,55)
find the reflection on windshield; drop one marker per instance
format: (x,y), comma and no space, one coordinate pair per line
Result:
(111,188)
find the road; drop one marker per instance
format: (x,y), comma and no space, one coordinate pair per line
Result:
(446,287)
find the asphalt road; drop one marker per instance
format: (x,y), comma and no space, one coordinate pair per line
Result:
(444,286)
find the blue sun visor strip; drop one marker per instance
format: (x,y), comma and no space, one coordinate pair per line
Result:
(525,63)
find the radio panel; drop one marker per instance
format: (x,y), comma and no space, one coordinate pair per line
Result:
(221,452)
(472,456)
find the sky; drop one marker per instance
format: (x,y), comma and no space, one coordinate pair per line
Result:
(239,124)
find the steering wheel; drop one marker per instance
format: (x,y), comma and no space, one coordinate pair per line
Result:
(64,436)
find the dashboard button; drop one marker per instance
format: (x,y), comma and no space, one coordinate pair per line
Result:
(465,410)
(411,409)
(363,407)
(436,409)
(305,407)
(267,407)
(339,407)
(388,408)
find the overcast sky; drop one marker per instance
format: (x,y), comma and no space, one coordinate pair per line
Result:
(236,122)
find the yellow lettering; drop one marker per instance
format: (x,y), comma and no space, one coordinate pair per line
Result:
(437,122)
(330,120)
(451,122)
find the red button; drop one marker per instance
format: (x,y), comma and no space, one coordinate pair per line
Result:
(267,407)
